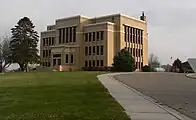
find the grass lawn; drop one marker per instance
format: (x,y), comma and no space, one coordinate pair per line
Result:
(56,96)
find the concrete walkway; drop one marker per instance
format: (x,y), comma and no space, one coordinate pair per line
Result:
(192,75)
(136,105)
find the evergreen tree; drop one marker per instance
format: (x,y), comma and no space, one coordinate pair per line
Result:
(124,62)
(24,42)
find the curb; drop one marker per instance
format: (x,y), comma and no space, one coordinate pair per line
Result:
(169,110)
(191,75)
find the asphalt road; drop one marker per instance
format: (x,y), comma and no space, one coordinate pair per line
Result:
(174,90)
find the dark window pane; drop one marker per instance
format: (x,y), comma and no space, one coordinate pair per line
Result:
(93,36)
(49,53)
(70,37)
(72,58)
(101,62)
(66,58)
(67,35)
(89,37)
(89,50)
(63,35)
(97,63)
(89,63)
(44,53)
(59,36)
(102,35)
(57,55)
(54,62)
(93,49)
(97,50)
(44,41)
(59,61)
(93,63)
(97,36)
(74,34)
(102,50)
(86,63)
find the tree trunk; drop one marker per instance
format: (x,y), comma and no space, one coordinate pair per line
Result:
(21,67)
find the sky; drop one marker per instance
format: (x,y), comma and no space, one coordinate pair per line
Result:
(171,23)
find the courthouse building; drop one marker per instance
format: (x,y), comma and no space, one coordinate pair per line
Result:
(78,41)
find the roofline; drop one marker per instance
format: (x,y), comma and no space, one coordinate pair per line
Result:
(119,14)
(101,23)
(71,17)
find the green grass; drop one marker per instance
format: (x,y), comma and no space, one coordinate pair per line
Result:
(56,96)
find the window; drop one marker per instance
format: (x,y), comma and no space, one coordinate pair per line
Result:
(139,53)
(93,49)
(93,63)
(101,49)
(86,37)
(97,63)
(44,53)
(49,53)
(52,40)
(142,52)
(101,62)
(70,36)
(89,50)
(133,35)
(74,34)
(86,51)
(49,41)
(125,34)
(97,36)
(59,36)
(59,61)
(67,31)
(102,35)
(54,62)
(134,52)
(89,37)
(86,63)
(137,65)
(97,50)
(57,55)
(72,58)
(44,41)
(89,63)
(66,58)
(142,37)
(48,64)
(63,35)
(93,36)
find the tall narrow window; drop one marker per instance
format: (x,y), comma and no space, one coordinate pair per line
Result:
(125,33)
(72,58)
(86,51)
(102,35)
(93,63)
(44,41)
(97,36)
(66,58)
(89,37)
(101,62)
(54,62)
(134,52)
(86,63)
(63,35)
(49,53)
(70,37)
(89,50)
(74,34)
(97,63)
(97,50)
(89,63)
(59,36)
(94,36)
(67,35)
(52,40)
(93,49)
(44,53)
(59,61)
(142,37)
(101,49)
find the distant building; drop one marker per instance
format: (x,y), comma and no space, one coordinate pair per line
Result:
(78,41)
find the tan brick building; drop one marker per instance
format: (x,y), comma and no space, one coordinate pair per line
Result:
(78,41)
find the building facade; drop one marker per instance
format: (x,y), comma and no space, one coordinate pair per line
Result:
(78,41)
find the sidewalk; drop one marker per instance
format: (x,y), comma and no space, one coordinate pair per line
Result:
(192,75)
(136,105)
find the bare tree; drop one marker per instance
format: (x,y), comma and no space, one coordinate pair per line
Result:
(5,61)
(153,61)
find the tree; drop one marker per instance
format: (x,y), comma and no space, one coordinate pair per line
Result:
(146,68)
(24,42)
(153,61)
(177,66)
(5,61)
(123,62)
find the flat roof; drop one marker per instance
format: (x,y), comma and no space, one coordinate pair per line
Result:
(100,23)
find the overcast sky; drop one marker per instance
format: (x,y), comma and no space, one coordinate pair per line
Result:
(171,23)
